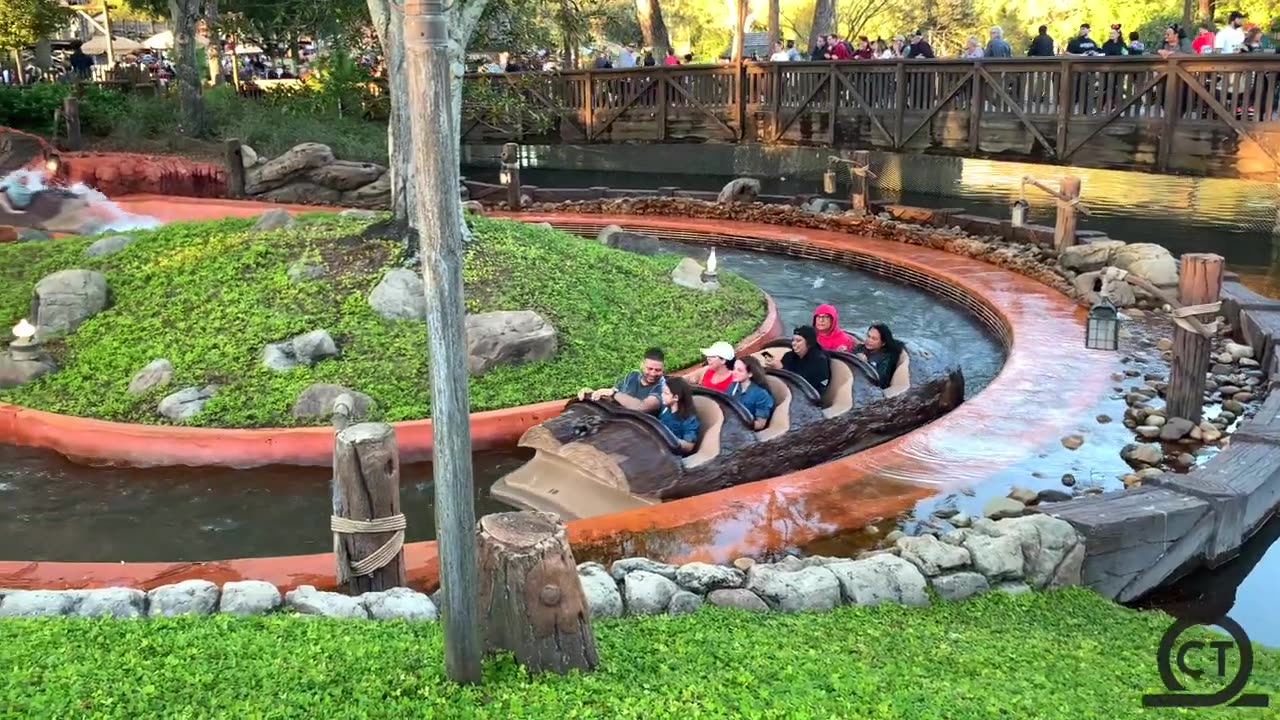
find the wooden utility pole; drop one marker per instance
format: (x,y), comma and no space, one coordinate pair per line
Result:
(510,163)
(106,28)
(530,594)
(775,32)
(367,523)
(233,155)
(437,211)
(1199,283)
(1064,232)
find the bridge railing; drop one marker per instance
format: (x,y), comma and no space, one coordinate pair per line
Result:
(1132,112)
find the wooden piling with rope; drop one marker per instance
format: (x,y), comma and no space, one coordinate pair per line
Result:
(368,527)
(1199,294)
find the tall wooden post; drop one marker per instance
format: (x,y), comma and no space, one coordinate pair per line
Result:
(530,595)
(1064,232)
(860,175)
(775,31)
(510,160)
(368,527)
(233,157)
(1199,283)
(106,28)
(438,219)
(71,113)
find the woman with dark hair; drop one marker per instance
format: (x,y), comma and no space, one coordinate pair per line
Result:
(678,414)
(881,350)
(750,388)
(806,358)
(1115,44)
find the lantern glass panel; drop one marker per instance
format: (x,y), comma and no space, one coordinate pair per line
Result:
(1102,331)
(829,181)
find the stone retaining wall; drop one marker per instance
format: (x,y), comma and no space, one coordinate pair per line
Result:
(1012,555)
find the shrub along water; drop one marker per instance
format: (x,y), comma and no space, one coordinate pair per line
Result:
(209,296)
(1067,654)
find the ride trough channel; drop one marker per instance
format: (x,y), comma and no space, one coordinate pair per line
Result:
(746,496)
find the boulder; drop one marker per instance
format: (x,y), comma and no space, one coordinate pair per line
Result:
(157,373)
(997,558)
(116,602)
(1175,428)
(346,175)
(622,568)
(880,578)
(1052,552)
(65,299)
(275,218)
(688,274)
(959,586)
(931,556)
(684,603)
(186,403)
(400,295)
(109,245)
(303,270)
(702,578)
(249,597)
(32,235)
(300,192)
(248,156)
(306,600)
(739,190)
(1002,507)
(195,597)
(305,349)
(40,603)
(358,214)
(807,589)
(648,593)
(1140,454)
(1149,261)
(601,591)
(19,371)
(317,402)
(508,337)
(292,164)
(376,195)
(739,598)
(399,603)
(1089,257)
(639,243)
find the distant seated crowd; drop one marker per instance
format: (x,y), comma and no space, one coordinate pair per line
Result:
(743,377)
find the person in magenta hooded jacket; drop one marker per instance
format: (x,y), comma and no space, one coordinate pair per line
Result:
(827,322)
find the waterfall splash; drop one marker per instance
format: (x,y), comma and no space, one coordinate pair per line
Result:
(99,215)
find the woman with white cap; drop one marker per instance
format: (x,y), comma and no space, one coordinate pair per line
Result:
(719,372)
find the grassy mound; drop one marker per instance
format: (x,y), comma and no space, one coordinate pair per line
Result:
(209,296)
(1068,654)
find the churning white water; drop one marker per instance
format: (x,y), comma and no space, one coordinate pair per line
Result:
(102,215)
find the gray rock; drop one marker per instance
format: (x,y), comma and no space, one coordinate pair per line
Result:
(195,597)
(739,190)
(274,219)
(647,593)
(738,598)
(702,578)
(399,603)
(312,347)
(601,591)
(109,245)
(345,175)
(249,597)
(157,373)
(808,589)
(688,274)
(317,402)
(1089,257)
(997,558)
(304,270)
(931,556)
(289,165)
(39,603)
(508,338)
(1147,260)
(32,235)
(1175,428)
(65,299)
(116,602)
(1138,455)
(400,295)
(1026,496)
(684,603)
(358,214)
(1003,507)
(1012,588)
(959,586)
(306,600)
(881,578)
(249,157)
(1049,495)
(15,372)
(186,403)
(624,566)
(1047,543)
(639,243)
(278,356)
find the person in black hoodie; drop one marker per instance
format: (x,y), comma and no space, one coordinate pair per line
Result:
(1041,44)
(806,358)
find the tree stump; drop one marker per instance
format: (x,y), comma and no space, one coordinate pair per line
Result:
(531,599)
(233,158)
(368,529)
(1064,232)
(1199,283)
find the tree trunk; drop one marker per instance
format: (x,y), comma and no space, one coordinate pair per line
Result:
(739,29)
(184,15)
(652,26)
(213,52)
(824,13)
(403,183)
(775,31)
(531,599)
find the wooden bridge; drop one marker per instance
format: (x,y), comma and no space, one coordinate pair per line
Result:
(1212,116)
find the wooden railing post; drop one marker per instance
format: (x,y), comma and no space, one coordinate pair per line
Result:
(1066,99)
(900,103)
(1064,231)
(233,158)
(510,174)
(1199,283)
(71,114)
(1172,107)
(975,108)
(662,75)
(590,98)
(775,102)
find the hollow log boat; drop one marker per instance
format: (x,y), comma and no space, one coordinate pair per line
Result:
(53,210)
(597,457)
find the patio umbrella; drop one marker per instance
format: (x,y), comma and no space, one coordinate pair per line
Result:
(164,41)
(98,45)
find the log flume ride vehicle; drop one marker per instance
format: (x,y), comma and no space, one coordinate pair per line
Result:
(597,457)
(53,210)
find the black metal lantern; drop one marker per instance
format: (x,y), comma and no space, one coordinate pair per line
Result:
(1018,212)
(1102,332)
(829,181)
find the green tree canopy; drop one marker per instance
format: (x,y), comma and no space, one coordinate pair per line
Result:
(24,22)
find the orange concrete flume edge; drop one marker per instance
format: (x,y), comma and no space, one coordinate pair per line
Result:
(788,509)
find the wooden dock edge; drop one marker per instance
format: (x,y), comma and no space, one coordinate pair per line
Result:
(1137,540)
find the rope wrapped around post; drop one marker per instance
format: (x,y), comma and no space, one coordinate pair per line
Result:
(1073,202)
(863,171)
(1183,317)
(379,558)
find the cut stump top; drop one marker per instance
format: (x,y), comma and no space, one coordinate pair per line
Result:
(520,529)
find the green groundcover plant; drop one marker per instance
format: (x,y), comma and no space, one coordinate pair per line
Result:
(1067,654)
(209,296)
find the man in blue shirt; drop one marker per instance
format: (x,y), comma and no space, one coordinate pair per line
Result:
(639,389)
(16,193)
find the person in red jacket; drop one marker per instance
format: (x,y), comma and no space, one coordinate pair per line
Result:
(838,49)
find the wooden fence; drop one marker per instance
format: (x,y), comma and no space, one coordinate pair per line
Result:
(1215,115)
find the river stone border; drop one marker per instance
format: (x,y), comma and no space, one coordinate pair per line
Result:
(1013,555)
